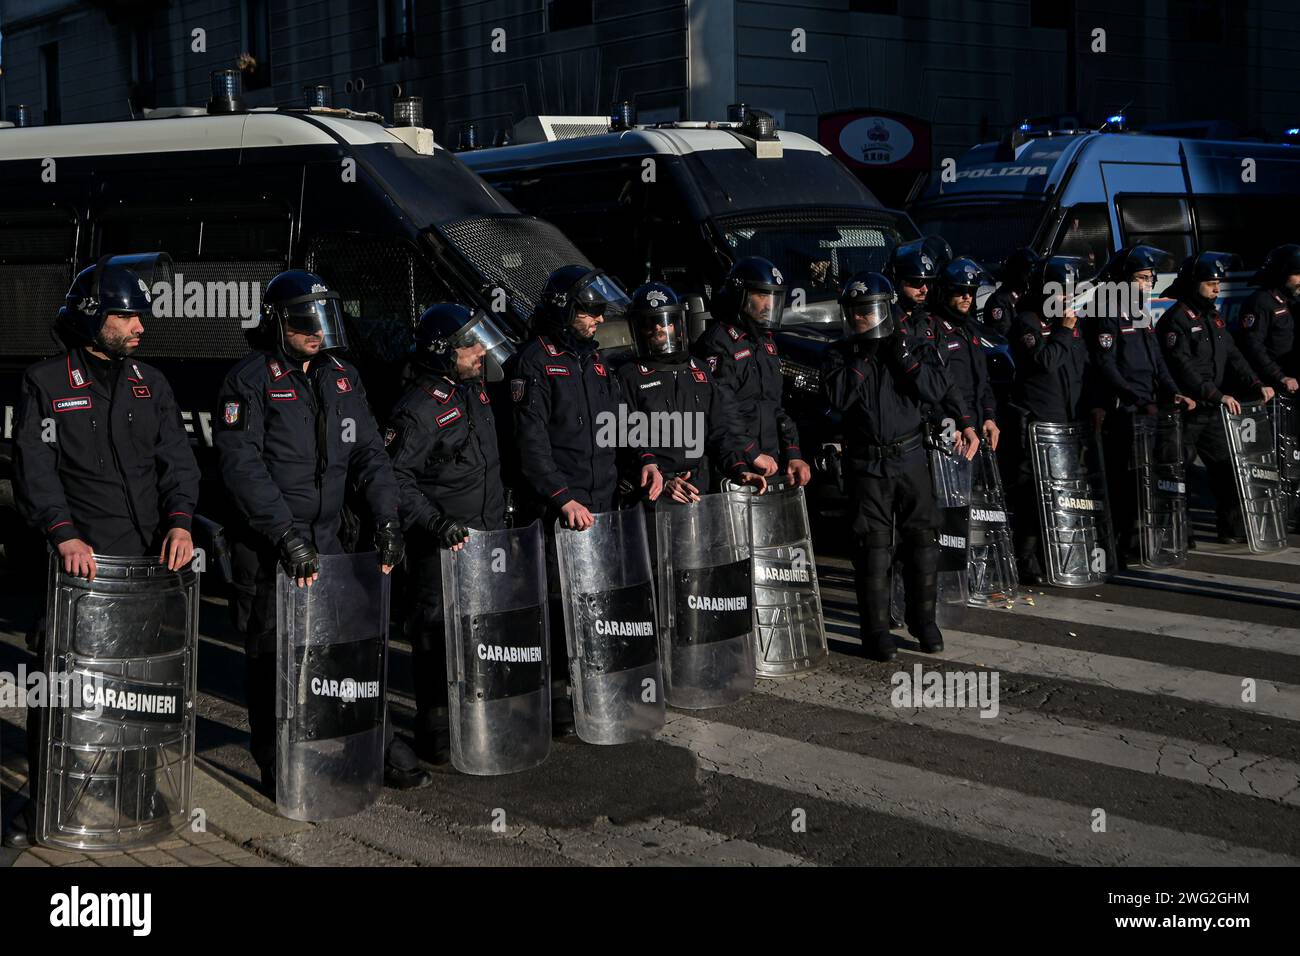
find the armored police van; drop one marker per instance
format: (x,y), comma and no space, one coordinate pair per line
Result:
(1079,192)
(385,215)
(680,202)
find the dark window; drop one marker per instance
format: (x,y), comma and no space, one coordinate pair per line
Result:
(143,91)
(397,29)
(1209,21)
(1085,232)
(1247,226)
(873,6)
(1161,221)
(566,14)
(1050,14)
(50,77)
(255,58)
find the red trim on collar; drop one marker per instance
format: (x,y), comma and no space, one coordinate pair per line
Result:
(72,383)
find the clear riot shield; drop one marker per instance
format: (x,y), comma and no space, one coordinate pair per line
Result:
(331,680)
(118,743)
(1161,488)
(951,475)
(1071,484)
(791,636)
(991,574)
(1253,444)
(1288,446)
(610,628)
(706,595)
(498,651)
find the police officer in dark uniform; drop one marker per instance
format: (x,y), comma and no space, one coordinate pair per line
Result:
(443,444)
(1204,361)
(1130,375)
(102,463)
(913,269)
(876,383)
(957,341)
(742,354)
(1002,306)
(294,429)
(1265,326)
(1051,357)
(563,391)
(666,379)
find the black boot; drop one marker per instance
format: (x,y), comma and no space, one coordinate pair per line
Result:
(562,724)
(401,771)
(921,578)
(873,584)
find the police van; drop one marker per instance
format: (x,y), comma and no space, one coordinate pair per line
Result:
(386,216)
(679,202)
(1064,190)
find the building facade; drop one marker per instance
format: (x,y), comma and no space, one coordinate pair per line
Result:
(971,68)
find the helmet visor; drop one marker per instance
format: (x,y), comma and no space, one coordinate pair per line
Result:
(661,333)
(320,316)
(763,305)
(483,330)
(867,317)
(600,295)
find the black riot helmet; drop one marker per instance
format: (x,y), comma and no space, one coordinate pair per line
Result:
(299,301)
(866,306)
(1278,264)
(744,294)
(1199,268)
(1017,267)
(963,275)
(570,290)
(1126,262)
(113,285)
(448,326)
(658,317)
(913,262)
(1056,275)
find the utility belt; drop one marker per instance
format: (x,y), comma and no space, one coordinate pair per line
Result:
(896,449)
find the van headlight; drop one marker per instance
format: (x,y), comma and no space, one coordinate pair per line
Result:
(802,377)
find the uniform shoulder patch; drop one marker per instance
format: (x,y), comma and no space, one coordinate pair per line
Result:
(557,370)
(390,433)
(1105,340)
(1029,339)
(343,384)
(518,388)
(742,354)
(447,417)
(233,416)
(1248,320)
(1171,339)
(713,363)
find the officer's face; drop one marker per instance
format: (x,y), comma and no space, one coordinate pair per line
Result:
(1210,289)
(303,344)
(915,293)
(121,333)
(585,325)
(758,306)
(469,362)
(961,300)
(1293,283)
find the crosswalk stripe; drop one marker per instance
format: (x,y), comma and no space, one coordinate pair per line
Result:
(1206,545)
(1051,828)
(1273,698)
(1241,772)
(1208,584)
(1140,621)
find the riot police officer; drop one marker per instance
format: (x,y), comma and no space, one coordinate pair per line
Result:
(1131,377)
(1050,356)
(443,444)
(742,354)
(957,342)
(666,379)
(912,270)
(873,379)
(563,393)
(287,455)
(1265,326)
(102,463)
(1204,361)
(1003,305)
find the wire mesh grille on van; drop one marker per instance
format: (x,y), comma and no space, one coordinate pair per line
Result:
(30,295)
(515,253)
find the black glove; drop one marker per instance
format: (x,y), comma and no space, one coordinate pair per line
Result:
(447,531)
(297,555)
(388,541)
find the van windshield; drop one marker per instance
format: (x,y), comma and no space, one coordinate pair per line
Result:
(730,180)
(986,232)
(815,253)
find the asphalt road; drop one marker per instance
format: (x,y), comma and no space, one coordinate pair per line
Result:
(1121,737)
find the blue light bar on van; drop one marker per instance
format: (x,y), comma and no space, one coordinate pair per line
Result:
(1025,127)
(1293,131)
(226,91)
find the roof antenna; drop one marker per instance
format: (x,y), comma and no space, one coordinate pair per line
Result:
(129,108)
